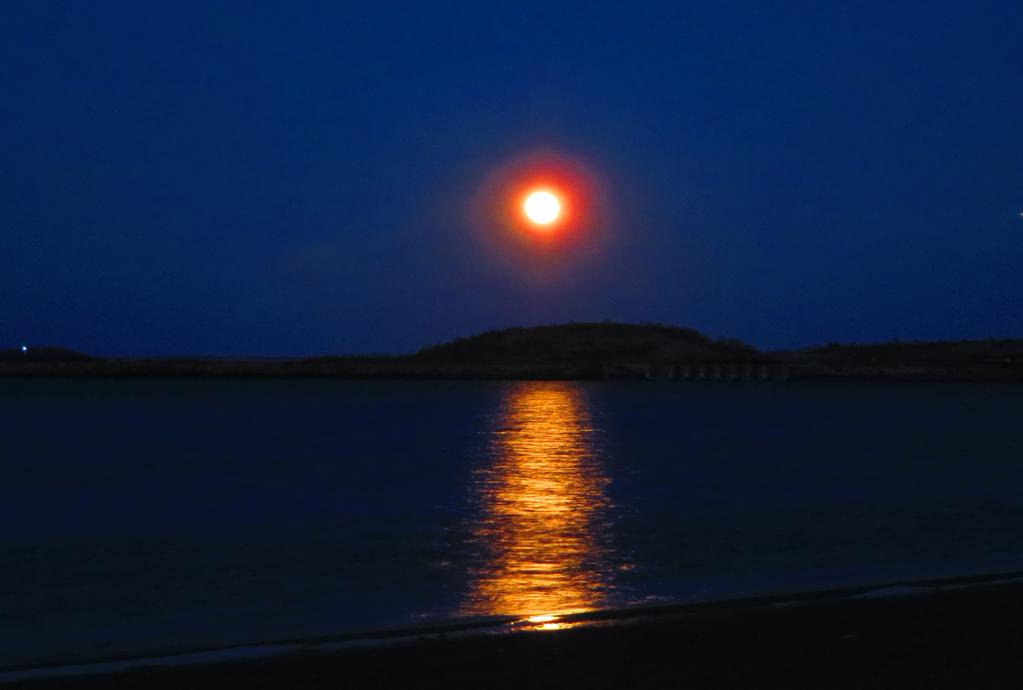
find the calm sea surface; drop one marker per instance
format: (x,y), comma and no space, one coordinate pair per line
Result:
(144,515)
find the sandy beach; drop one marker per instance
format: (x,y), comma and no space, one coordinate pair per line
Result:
(952,634)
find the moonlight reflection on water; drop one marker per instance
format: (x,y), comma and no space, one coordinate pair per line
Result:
(541,525)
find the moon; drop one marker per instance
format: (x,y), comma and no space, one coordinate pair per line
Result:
(542,207)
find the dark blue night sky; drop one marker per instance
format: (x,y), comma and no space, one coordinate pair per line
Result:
(225,178)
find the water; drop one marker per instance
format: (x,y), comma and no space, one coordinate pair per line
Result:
(140,516)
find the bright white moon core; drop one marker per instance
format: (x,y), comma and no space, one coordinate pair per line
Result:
(543,208)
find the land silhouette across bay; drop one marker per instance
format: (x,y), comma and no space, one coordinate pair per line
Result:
(574,351)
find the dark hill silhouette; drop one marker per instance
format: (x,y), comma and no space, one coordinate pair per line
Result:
(576,351)
(588,342)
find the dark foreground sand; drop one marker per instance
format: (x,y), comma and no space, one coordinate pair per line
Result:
(958,637)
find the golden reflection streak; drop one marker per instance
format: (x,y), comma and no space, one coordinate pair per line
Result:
(542,510)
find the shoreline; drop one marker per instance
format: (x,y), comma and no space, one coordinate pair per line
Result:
(570,351)
(720,374)
(206,664)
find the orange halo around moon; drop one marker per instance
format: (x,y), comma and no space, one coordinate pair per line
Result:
(542,213)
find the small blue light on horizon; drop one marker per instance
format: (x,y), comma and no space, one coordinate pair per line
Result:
(24,348)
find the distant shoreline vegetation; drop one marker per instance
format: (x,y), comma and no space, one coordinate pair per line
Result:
(574,351)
